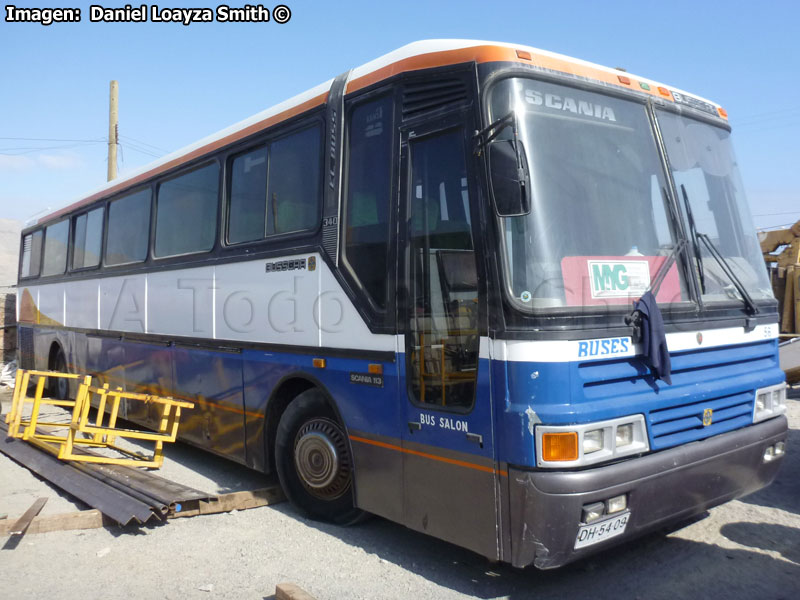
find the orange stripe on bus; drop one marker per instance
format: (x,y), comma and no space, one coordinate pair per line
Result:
(484,54)
(232,409)
(444,459)
(434,59)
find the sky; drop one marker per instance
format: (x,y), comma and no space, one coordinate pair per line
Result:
(180,83)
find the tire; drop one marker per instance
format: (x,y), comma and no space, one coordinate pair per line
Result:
(312,457)
(58,387)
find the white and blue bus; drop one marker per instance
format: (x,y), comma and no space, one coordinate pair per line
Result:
(408,292)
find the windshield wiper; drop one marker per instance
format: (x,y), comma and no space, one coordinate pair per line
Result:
(721,260)
(658,279)
(726,267)
(693,231)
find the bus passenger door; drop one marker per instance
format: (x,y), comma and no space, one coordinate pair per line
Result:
(450,473)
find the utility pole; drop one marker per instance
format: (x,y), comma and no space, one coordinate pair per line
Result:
(113,126)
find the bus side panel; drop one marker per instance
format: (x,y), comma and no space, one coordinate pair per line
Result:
(500,397)
(213,381)
(362,408)
(262,373)
(80,300)
(145,368)
(180,303)
(122,303)
(372,412)
(51,304)
(104,359)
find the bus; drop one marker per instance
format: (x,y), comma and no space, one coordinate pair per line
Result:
(408,292)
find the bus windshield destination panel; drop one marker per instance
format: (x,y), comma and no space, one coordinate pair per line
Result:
(410,291)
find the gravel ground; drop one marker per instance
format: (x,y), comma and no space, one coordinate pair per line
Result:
(746,549)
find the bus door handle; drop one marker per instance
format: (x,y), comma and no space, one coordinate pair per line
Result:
(412,425)
(475,438)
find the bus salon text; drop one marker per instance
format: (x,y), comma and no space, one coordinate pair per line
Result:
(443,422)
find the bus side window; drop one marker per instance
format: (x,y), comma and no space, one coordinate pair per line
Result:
(55,248)
(247,220)
(294,190)
(186,212)
(366,233)
(292,199)
(31,254)
(128,228)
(87,239)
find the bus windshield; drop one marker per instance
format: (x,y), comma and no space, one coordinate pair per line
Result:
(599,226)
(710,190)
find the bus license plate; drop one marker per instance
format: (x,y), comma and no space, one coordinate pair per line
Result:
(601,531)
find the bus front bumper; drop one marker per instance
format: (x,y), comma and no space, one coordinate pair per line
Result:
(662,488)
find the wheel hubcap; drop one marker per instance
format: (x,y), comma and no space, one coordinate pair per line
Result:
(321,459)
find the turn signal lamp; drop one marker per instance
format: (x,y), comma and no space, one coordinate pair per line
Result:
(524,54)
(664,92)
(560,446)
(722,112)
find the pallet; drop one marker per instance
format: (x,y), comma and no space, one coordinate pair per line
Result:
(94,519)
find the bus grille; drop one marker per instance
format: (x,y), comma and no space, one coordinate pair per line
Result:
(684,423)
(723,379)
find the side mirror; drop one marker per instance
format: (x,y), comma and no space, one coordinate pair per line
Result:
(509,178)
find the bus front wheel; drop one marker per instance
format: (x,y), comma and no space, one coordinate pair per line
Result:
(313,460)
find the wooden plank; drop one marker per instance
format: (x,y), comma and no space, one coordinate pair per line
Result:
(84,519)
(234,501)
(24,521)
(290,591)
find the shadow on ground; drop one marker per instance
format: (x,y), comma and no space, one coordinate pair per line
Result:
(784,493)
(656,566)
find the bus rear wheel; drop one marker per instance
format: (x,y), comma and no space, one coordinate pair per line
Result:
(58,387)
(313,461)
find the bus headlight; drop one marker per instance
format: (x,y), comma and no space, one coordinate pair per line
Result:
(770,402)
(590,443)
(625,434)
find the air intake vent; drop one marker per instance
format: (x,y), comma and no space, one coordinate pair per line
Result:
(26,360)
(420,98)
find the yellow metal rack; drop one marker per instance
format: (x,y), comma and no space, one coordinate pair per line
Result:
(100,434)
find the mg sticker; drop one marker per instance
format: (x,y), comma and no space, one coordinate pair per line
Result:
(618,279)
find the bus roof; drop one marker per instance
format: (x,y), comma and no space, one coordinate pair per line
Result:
(411,57)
